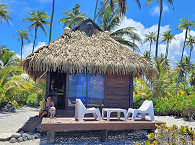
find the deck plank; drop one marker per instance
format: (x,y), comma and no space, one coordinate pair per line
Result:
(69,124)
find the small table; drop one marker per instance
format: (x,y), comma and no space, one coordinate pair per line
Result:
(117,110)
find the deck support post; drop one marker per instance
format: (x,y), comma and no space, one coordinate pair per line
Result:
(51,137)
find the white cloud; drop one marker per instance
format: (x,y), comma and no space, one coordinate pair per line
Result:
(175,47)
(28,48)
(156,10)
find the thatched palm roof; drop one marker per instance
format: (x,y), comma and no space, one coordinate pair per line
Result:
(86,48)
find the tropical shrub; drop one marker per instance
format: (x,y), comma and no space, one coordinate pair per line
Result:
(16,89)
(173,135)
(180,106)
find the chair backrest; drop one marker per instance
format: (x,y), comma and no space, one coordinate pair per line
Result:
(146,105)
(79,105)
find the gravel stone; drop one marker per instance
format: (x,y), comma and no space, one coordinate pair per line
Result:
(13,140)
(16,135)
(25,138)
(20,139)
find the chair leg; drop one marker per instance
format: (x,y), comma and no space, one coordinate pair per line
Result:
(81,117)
(134,114)
(95,116)
(118,115)
(151,114)
(125,116)
(108,116)
(102,114)
(98,115)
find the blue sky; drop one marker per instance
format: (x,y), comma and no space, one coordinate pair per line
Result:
(144,20)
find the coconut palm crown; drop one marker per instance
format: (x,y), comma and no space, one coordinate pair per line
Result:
(73,18)
(150,37)
(168,37)
(110,20)
(22,35)
(38,19)
(4,13)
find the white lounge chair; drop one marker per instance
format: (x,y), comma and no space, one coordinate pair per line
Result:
(145,109)
(81,110)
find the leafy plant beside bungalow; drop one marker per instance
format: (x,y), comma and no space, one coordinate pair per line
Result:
(15,87)
(171,136)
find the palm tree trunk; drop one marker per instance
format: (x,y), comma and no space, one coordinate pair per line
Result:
(22,43)
(179,74)
(167,48)
(161,10)
(190,53)
(150,47)
(34,39)
(186,73)
(100,11)
(96,5)
(51,23)
(134,49)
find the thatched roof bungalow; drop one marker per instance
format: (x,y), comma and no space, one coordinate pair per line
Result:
(87,63)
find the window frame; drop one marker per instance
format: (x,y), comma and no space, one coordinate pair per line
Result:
(87,84)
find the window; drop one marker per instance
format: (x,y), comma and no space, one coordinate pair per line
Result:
(89,88)
(95,89)
(77,88)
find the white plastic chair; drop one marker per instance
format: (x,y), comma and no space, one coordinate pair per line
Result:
(145,109)
(81,110)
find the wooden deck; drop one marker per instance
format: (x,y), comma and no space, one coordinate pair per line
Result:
(69,124)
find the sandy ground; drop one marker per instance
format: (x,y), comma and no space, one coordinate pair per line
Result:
(11,122)
(170,120)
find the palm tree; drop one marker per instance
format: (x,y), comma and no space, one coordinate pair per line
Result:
(51,23)
(190,42)
(38,19)
(135,37)
(186,24)
(111,19)
(7,57)
(22,35)
(167,36)
(95,11)
(74,17)
(147,55)
(121,4)
(159,22)
(4,13)
(150,37)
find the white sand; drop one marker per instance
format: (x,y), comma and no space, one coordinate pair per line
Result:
(11,122)
(170,120)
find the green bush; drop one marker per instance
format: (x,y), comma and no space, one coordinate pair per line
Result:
(31,100)
(181,106)
(171,136)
